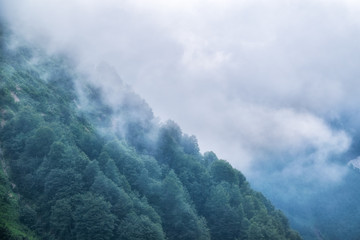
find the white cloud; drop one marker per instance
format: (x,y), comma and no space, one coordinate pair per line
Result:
(247,77)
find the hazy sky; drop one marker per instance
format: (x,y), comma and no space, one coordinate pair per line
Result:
(257,82)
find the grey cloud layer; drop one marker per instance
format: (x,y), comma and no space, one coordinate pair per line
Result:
(248,78)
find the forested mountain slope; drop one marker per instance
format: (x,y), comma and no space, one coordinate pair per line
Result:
(94,171)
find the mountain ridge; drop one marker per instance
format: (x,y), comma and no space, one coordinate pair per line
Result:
(132,179)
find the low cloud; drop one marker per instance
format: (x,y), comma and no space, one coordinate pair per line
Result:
(261,83)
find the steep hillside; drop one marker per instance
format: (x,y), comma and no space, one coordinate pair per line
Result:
(79,168)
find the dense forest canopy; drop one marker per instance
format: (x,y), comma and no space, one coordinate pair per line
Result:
(74,167)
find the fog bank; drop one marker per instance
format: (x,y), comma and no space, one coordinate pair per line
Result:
(270,86)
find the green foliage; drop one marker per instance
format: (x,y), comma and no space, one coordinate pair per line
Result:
(61,219)
(134,227)
(179,218)
(5,97)
(224,220)
(255,232)
(39,144)
(62,183)
(91,171)
(190,145)
(93,219)
(10,216)
(56,154)
(222,171)
(75,182)
(210,157)
(83,216)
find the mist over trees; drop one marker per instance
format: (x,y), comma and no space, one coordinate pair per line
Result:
(94,171)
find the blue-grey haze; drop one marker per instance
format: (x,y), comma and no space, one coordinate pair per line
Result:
(270,86)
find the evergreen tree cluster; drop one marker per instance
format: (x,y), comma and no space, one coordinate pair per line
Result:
(63,178)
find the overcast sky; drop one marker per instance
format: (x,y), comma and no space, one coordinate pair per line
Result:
(257,82)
